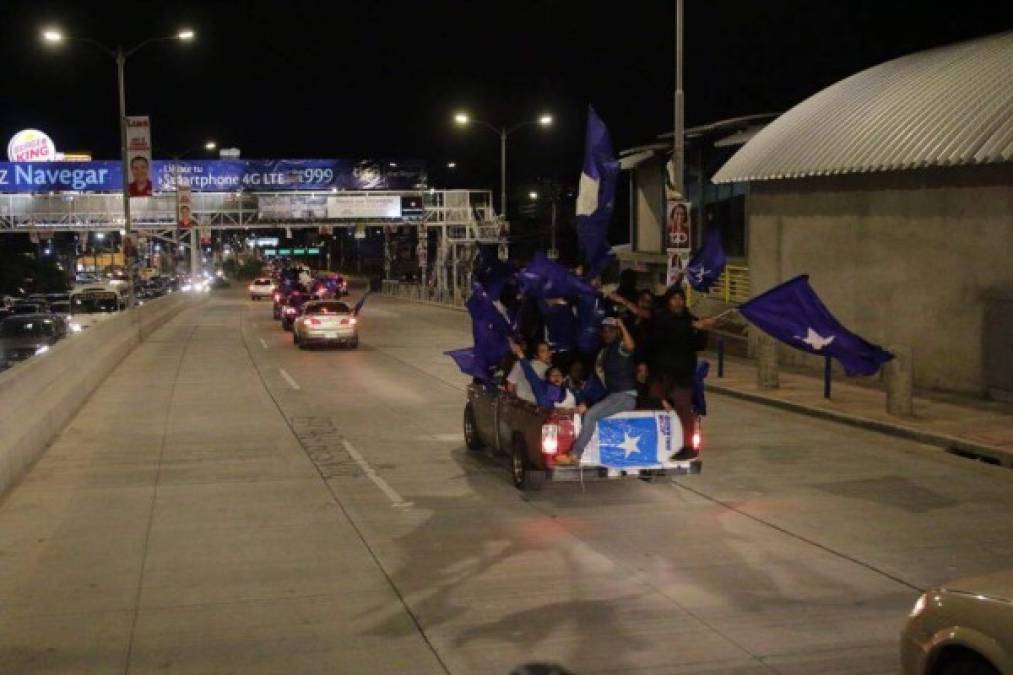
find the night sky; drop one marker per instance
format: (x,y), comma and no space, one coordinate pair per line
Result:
(381,79)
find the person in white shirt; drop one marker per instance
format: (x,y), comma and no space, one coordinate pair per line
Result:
(517,383)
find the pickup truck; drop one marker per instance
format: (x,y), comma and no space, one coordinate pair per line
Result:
(532,437)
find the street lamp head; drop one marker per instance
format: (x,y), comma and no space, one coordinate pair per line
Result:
(52,35)
(185,34)
(210,145)
(545,120)
(451,165)
(533,195)
(461,118)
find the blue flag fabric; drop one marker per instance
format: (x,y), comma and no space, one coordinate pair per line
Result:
(560,324)
(590,314)
(469,365)
(544,278)
(706,265)
(490,331)
(596,195)
(795,315)
(359,304)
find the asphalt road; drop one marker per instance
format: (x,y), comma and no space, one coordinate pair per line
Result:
(316,511)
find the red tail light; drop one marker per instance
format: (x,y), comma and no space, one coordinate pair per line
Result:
(696,436)
(314,322)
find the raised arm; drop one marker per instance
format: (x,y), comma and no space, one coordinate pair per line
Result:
(629,345)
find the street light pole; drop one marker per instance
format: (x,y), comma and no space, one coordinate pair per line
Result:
(678,142)
(502,172)
(121,60)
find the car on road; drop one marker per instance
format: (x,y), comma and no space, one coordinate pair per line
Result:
(292,308)
(964,627)
(261,287)
(30,307)
(325,322)
(91,305)
(533,437)
(25,335)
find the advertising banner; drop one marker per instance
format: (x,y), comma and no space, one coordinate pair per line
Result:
(248,175)
(292,207)
(677,261)
(139,155)
(364,206)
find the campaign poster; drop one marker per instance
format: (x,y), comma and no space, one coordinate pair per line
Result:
(139,155)
(184,205)
(677,261)
(677,224)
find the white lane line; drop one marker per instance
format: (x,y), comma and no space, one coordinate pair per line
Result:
(262,343)
(396,500)
(288,378)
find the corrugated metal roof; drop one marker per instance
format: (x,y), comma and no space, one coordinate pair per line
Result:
(944,107)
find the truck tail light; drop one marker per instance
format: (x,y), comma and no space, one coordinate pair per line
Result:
(696,435)
(314,322)
(550,439)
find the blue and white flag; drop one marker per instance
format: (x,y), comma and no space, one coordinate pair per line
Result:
(469,364)
(706,265)
(795,315)
(643,439)
(544,278)
(596,195)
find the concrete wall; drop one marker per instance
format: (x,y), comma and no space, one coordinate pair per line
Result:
(649,202)
(40,396)
(902,258)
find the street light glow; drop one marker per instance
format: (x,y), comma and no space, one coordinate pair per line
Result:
(52,35)
(451,165)
(545,120)
(210,145)
(461,118)
(533,195)
(185,34)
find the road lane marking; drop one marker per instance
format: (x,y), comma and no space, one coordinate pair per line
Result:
(262,343)
(396,500)
(288,378)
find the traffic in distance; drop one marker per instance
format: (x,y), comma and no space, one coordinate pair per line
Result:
(31,323)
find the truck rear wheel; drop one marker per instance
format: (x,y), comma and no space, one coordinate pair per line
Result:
(471,438)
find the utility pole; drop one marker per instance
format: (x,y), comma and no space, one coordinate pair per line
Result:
(678,140)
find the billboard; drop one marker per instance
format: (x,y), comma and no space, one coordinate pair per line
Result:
(31,145)
(139,155)
(223,175)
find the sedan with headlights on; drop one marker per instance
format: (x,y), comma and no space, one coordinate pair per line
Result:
(962,628)
(325,322)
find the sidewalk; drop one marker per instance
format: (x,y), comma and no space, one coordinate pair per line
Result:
(982,429)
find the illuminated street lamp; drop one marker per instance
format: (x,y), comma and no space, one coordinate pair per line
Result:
(451,165)
(533,195)
(463,119)
(210,145)
(55,36)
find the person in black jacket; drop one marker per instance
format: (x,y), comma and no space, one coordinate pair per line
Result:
(676,337)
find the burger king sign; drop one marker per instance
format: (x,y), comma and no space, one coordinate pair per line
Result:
(31,145)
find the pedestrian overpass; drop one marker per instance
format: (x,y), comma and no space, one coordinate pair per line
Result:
(461,218)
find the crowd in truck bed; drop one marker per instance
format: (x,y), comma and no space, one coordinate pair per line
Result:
(644,357)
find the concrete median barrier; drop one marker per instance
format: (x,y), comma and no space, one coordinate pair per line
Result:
(40,396)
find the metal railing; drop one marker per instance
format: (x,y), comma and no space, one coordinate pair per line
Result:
(732,287)
(425,294)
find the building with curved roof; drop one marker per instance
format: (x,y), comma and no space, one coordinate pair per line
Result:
(893,190)
(950,106)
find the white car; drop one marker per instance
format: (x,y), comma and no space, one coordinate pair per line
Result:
(962,628)
(262,287)
(325,322)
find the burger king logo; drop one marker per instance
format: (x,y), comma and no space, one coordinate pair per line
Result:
(31,145)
